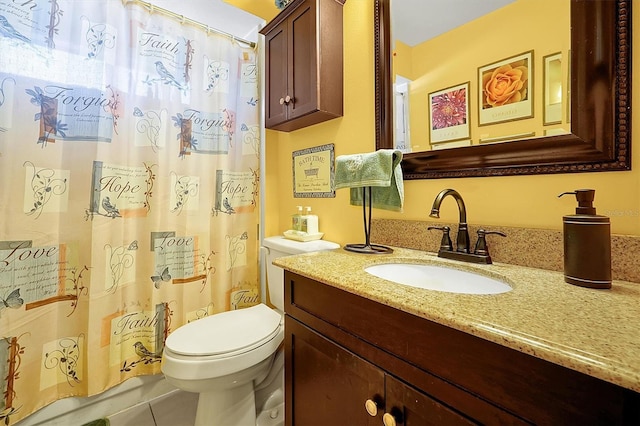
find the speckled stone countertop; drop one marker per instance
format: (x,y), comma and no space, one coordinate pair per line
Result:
(596,332)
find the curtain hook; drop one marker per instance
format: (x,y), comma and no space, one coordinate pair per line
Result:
(183,19)
(151,8)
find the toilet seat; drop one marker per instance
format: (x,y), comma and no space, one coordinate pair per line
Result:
(199,350)
(226,334)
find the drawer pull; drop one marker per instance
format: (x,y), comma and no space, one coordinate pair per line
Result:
(285,100)
(388,420)
(371,407)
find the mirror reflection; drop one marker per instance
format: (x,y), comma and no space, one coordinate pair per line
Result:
(479,74)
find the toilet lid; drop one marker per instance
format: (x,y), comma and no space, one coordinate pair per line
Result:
(240,330)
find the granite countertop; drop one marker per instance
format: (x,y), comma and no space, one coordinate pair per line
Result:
(596,332)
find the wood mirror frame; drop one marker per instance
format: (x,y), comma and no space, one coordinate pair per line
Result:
(586,149)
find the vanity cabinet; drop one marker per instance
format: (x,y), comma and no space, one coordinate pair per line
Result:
(303,65)
(333,386)
(344,353)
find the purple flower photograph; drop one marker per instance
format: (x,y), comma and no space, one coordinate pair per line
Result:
(449,114)
(449,109)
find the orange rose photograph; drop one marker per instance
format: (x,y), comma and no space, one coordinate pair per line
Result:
(505,90)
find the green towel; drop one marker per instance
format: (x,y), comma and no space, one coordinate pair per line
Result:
(379,170)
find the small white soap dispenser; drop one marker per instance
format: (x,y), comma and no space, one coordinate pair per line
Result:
(309,222)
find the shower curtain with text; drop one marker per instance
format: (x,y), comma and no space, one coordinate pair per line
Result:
(129,155)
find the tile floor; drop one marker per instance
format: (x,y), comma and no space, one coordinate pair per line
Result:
(175,409)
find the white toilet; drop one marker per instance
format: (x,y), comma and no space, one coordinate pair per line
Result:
(231,359)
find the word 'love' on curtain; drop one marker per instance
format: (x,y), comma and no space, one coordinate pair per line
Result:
(129,153)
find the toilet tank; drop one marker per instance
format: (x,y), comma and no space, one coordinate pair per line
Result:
(279,246)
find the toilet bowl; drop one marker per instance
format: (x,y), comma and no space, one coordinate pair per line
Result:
(221,357)
(232,358)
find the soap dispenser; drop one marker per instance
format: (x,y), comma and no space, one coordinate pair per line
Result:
(587,244)
(309,222)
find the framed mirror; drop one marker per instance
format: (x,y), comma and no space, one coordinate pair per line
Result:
(600,120)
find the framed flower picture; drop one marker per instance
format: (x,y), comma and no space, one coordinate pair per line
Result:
(505,90)
(449,114)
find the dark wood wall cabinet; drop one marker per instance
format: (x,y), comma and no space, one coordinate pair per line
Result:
(303,65)
(353,361)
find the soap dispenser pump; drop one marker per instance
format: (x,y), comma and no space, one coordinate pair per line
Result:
(587,244)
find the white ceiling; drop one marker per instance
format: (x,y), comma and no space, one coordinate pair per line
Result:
(415,21)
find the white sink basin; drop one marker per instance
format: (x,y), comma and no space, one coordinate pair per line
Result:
(439,278)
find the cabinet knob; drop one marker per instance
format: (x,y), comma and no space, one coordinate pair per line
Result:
(281,101)
(371,407)
(287,99)
(388,420)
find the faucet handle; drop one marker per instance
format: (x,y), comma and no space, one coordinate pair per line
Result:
(446,243)
(481,245)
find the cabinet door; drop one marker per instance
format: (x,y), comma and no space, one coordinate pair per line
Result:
(410,407)
(303,79)
(276,75)
(325,384)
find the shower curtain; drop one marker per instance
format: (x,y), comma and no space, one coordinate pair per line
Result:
(129,155)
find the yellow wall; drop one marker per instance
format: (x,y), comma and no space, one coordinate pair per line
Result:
(522,201)
(354,132)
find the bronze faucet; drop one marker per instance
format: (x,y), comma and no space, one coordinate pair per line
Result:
(462,241)
(481,252)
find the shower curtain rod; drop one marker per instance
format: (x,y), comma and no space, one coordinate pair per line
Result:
(153,8)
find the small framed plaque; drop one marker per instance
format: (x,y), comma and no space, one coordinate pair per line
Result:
(314,172)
